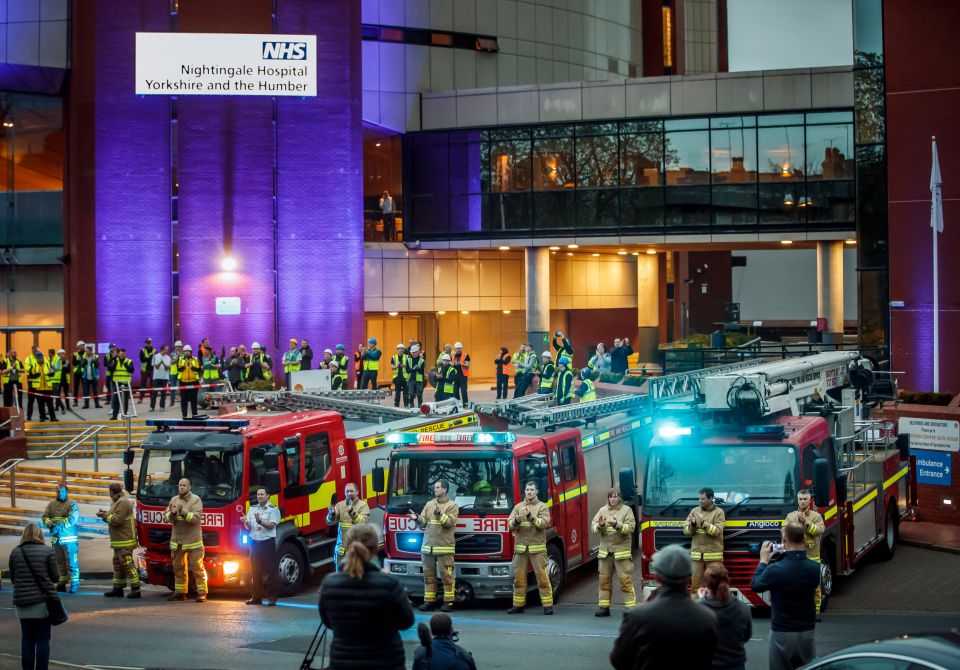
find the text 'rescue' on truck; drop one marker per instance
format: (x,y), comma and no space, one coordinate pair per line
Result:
(302,454)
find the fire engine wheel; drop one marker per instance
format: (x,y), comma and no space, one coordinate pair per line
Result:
(826,584)
(891,531)
(292,568)
(555,570)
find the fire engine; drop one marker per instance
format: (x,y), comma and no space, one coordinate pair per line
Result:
(758,434)
(303,448)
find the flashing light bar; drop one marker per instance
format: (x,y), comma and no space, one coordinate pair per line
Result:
(671,431)
(202,423)
(451,438)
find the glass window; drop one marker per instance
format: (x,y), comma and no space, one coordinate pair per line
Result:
(554,210)
(568,457)
(510,165)
(641,160)
(317,459)
(507,211)
(633,127)
(477,482)
(780,120)
(555,460)
(596,161)
(687,206)
(734,206)
(585,129)
(868,97)
(431,213)
(734,156)
(733,122)
(215,475)
(553,163)
(867,33)
(830,152)
(598,208)
(830,117)
(687,157)
(291,459)
(830,202)
(465,163)
(781,154)
(641,207)
(780,203)
(466,215)
(685,124)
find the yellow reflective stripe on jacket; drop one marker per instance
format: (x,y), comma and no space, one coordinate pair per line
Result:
(345,524)
(443,519)
(435,522)
(189,516)
(530,548)
(437,550)
(706,555)
(123,543)
(187,547)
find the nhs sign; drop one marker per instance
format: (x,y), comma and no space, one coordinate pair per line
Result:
(285,51)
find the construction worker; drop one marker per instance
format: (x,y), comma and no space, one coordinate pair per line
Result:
(526,365)
(447,379)
(415,369)
(812,523)
(261,520)
(292,360)
(11,370)
(89,372)
(564,382)
(123,540)
(562,345)
(461,363)
(76,363)
(121,373)
(188,379)
(260,364)
(438,519)
(529,521)
(705,525)
(175,357)
(38,386)
(146,367)
(340,356)
(614,523)
(346,514)
(600,361)
(211,367)
(327,359)
(447,349)
(186,540)
(586,391)
(548,373)
(336,381)
(59,371)
(371,365)
(398,364)
(61,516)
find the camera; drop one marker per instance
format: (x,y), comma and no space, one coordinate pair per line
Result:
(777,547)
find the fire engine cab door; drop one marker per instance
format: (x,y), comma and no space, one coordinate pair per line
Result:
(569,498)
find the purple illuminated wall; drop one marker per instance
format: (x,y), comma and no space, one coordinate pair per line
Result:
(278,183)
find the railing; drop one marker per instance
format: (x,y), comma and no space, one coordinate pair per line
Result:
(93,432)
(685,360)
(10,465)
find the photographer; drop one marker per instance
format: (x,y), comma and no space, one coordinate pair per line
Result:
(439,649)
(791,580)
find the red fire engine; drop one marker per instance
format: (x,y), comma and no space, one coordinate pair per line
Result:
(302,448)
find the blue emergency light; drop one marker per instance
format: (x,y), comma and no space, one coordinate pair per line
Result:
(232,424)
(452,438)
(671,431)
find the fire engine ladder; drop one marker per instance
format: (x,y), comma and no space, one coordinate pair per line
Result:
(362,410)
(513,410)
(221,398)
(683,388)
(540,412)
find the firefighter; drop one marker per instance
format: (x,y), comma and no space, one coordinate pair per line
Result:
(614,523)
(812,523)
(188,379)
(529,520)
(705,525)
(564,382)
(341,358)
(121,372)
(548,373)
(146,367)
(76,363)
(292,361)
(186,541)
(415,367)
(461,363)
(586,391)
(398,363)
(123,540)
(438,519)
(447,379)
(62,516)
(336,381)
(347,513)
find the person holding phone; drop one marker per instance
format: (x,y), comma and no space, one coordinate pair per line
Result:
(261,520)
(347,513)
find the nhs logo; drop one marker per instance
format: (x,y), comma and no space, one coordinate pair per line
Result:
(285,51)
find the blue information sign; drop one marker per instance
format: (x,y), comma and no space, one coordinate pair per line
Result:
(933,467)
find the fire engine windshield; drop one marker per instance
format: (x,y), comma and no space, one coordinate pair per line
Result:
(478,483)
(740,476)
(215,475)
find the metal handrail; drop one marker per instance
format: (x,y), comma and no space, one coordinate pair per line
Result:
(93,432)
(10,465)
(749,343)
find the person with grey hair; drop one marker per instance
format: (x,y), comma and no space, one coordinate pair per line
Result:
(670,630)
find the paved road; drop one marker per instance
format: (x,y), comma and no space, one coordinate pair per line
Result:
(226,634)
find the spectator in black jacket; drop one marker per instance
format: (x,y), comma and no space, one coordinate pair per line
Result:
(619,356)
(562,345)
(503,378)
(365,608)
(791,578)
(669,631)
(439,649)
(34,573)
(734,621)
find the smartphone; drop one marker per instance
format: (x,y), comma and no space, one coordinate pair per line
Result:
(777,547)
(333,499)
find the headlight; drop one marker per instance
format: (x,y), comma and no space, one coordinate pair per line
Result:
(231,567)
(500,570)
(398,568)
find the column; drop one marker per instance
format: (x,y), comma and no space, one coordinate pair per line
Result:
(538,297)
(648,307)
(830,289)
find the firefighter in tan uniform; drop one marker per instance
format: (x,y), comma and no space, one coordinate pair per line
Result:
(186,541)
(529,521)
(347,513)
(812,523)
(438,519)
(614,523)
(123,540)
(705,525)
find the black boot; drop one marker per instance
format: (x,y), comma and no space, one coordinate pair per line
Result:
(115,592)
(177,596)
(61,588)
(427,606)
(515,610)
(134,592)
(602,611)
(548,611)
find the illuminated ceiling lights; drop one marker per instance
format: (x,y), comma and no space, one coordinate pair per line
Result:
(392,313)
(441,312)
(850,242)
(635,253)
(651,252)
(788,200)
(569,253)
(573,246)
(786,243)
(554,248)
(595,255)
(464,311)
(621,253)
(504,248)
(506,311)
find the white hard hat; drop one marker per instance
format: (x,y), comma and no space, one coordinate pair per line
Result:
(256,345)
(415,349)
(61,351)
(401,346)
(187,347)
(178,343)
(327,351)
(446,357)
(457,345)
(546,354)
(334,364)
(81,343)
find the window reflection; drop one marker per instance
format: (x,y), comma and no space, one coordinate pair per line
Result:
(829,152)
(687,158)
(641,160)
(781,155)
(553,161)
(734,154)
(510,165)
(596,161)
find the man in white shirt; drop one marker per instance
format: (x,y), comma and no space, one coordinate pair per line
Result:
(261,520)
(161,364)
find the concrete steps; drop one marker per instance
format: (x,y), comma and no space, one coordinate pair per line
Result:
(44,438)
(13,519)
(39,483)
